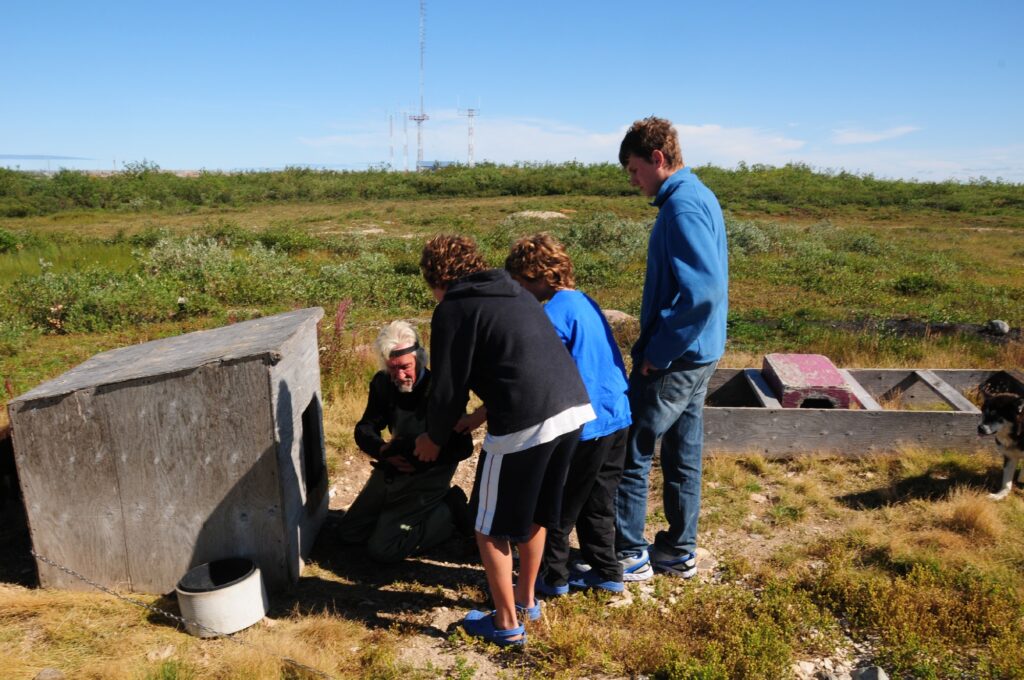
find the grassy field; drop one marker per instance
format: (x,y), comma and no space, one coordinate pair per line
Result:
(899,560)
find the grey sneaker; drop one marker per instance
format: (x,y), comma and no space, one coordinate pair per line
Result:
(578,567)
(683,566)
(636,568)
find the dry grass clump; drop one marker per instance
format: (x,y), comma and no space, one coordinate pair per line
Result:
(972,514)
(87,635)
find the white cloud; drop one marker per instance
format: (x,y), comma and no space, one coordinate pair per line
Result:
(858,136)
(724,146)
(535,140)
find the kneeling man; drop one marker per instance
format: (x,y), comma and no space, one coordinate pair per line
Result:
(407,506)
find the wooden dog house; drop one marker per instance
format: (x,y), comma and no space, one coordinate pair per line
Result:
(145,461)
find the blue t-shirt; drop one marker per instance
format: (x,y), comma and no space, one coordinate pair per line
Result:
(586,334)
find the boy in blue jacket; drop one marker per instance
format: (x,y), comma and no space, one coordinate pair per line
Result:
(542,266)
(682,336)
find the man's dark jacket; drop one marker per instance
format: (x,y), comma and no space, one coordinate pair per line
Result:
(405,417)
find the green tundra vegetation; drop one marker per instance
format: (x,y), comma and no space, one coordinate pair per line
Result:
(903,554)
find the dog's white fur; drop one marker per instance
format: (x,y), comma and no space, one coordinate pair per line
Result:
(1003,416)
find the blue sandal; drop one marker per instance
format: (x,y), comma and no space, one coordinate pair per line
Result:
(529,613)
(481,625)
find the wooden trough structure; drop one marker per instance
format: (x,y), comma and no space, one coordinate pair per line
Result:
(145,461)
(929,408)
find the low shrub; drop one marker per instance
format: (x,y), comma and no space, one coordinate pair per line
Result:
(746,237)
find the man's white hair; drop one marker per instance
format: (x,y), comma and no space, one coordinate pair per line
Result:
(398,335)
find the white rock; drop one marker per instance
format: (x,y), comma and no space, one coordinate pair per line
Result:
(997,327)
(541,215)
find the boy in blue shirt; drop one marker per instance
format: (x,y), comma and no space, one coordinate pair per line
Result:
(541,265)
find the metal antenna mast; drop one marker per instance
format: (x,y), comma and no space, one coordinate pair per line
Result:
(470,114)
(391,142)
(421,116)
(405,143)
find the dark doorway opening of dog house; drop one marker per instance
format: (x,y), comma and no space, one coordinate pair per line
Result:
(314,462)
(817,403)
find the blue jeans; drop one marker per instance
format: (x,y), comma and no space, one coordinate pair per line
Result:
(666,405)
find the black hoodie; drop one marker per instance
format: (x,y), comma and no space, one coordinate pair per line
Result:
(490,336)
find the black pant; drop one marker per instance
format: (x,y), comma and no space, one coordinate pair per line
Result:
(588,503)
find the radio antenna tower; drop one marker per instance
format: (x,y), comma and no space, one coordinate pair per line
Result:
(405,142)
(391,142)
(421,116)
(470,114)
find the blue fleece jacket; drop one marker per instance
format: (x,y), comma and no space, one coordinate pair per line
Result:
(584,331)
(685,299)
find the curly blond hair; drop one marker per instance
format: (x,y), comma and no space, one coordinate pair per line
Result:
(650,134)
(541,256)
(448,257)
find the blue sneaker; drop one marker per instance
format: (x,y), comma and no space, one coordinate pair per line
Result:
(636,567)
(683,566)
(542,588)
(591,582)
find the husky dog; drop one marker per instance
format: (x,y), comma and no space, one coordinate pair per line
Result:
(1003,416)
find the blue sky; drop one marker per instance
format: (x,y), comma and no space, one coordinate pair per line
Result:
(927,90)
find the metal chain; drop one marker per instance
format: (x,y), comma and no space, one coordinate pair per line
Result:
(175,617)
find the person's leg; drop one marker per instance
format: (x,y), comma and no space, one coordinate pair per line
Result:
(595,526)
(415,516)
(681,462)
(496,555)
(652,416)
(582,471)
(548,509)
(518,492)
(359,520)
(530,553)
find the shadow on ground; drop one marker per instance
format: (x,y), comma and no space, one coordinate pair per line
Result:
(378,594)
(935,484)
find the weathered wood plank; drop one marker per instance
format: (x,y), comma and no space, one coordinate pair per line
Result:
(248,339)
(197,472)
(68,479)
(302,462)
(951,396)
(878,381)
(762,390)
(866,401)
(787,432)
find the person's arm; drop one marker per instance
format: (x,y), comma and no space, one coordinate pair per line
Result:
(452,345)
(375,418)
(471,421)
(692,259)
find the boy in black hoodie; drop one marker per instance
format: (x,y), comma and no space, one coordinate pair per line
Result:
(490,336)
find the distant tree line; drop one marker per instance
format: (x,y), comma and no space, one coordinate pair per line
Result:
(144,186)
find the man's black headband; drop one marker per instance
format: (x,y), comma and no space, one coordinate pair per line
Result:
(395,353)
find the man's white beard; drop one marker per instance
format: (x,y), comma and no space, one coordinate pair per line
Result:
(404,387)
